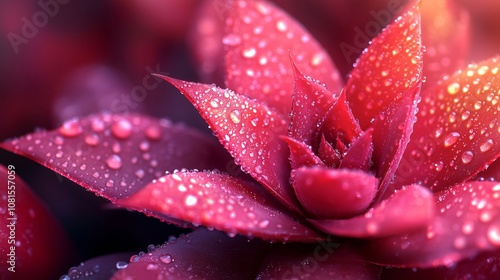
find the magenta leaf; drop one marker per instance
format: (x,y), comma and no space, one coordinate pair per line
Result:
(259,40)
(301,154)
(359,155)
(407,209)
(340,123)
(387,68)
(325,260)
(311,102)
(99,268)
(333,193)
(467,221)
(222,202)
(457,129)
(116,155)
(391,134)
(483,266)
(328,154)
(249,130)
(198,255)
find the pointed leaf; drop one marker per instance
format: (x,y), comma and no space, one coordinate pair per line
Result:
(340,122)
(387,68)
(333,193)
(467,221)
(328,154)
(116,155)
(33,244)
(249,130)
(326,260)
(446,36)
(260,37)
(359,155)
(408,209)
(311,102)
(222,202)
(198,255)
(457,129)
(391,134)
(301,154)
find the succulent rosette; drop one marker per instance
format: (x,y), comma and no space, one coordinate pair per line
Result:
(396,167)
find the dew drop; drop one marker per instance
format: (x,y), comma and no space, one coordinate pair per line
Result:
(153,133)
(121,265)
(478,105)
(214,103)
(114,162)
(122,129)
(317,59)
(139,173)
(71,128)
(281,26)
(264,223)
(58,140)
(166,258)
(453,88)
(144,146)
(235,116)
(494,234)
(231,40)
(467,157)
(451,139)
(249,53)
(438,166)
(486,146)
(97,125)
(110,183)
(92,139)
(191,200)
(460,242)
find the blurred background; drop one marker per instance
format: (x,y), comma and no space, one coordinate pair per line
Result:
(65,58)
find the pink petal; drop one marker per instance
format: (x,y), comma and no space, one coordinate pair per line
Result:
(301,154)
(387,68)
(484,266)
(33,244)
(391,134)
(249,130)
(325,260)
(99,268)
(457,129)
(340,123)
(359,155)
(328,154)
(221,202)
(198,255)
(311,102)
(116,155)
(260,37)
(467,222)
(408,209)
(446,36)
(333,193)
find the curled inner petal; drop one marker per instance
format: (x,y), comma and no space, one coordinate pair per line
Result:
(334,193)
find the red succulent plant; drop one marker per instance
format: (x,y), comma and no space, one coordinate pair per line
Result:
(397,167)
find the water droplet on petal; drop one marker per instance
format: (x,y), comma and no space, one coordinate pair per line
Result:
(191,200)
(166,258)
(114,162)
(486,146)
(467,157)
(153,133)
(453,88)
(235,116)
(494,234)
(249,53)
(71,128)
(121,265)
(231,40)
(92,139)
(122,129)
(281,26)
(451,139)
